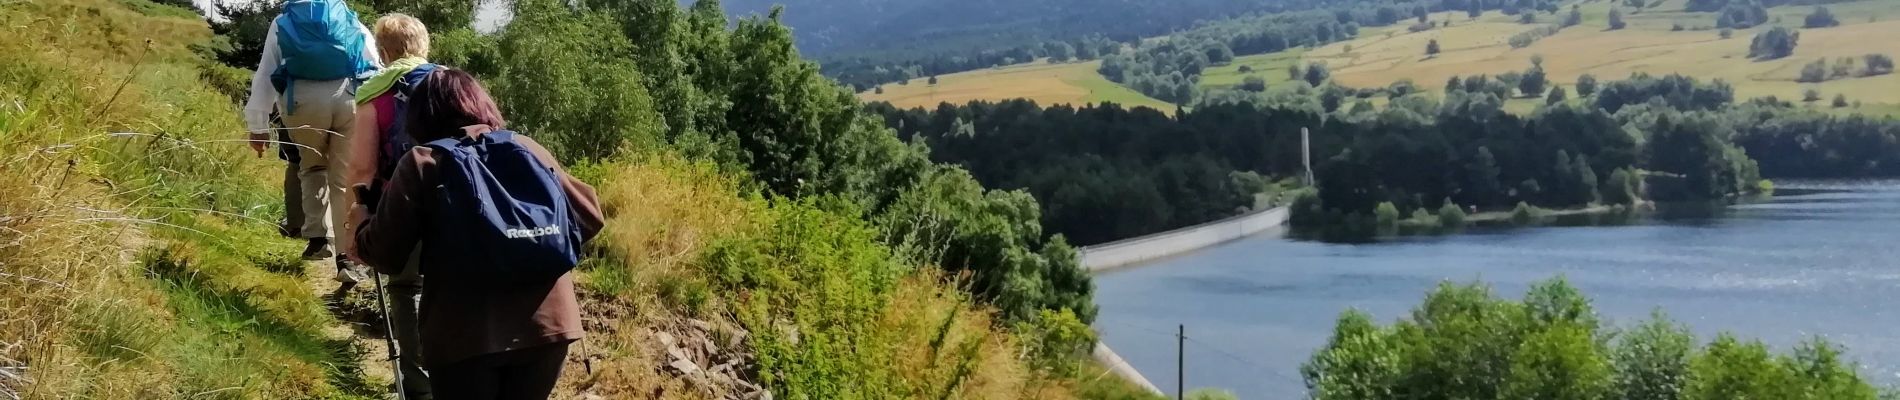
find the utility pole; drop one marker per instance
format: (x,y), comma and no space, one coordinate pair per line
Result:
(1180,363)
(1306,155)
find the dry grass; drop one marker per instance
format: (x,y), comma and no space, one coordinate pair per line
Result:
(1047,84)
(928,338)
(132,254)
(1646,46)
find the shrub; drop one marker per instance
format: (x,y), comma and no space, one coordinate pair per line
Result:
(1451,215)
(1840,101)
(1525,213)
(1621,188)
(1249,68)
(1774,43)
(1878,64)
(1463,342)
(1821,18)
(1652,360)
(1810,95)
(1586,85)
(1253,84)
(1055,340)
(1387,214)
(1307,210)
(1616,19)
(1422,218)
(1814,72)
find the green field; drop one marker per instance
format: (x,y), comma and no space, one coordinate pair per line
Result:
(1648,45)
(1041,81)
(1271,67)
(1380,56)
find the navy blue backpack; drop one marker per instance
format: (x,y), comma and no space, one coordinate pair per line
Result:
(505,208)
(396,140)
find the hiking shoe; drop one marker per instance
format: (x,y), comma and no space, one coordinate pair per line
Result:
(347,272)
(318,249)
(287,230)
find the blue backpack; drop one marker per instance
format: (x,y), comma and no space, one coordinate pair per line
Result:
(506,210)
(320,40)
(396,140)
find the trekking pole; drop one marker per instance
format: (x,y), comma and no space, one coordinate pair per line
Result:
(389,337)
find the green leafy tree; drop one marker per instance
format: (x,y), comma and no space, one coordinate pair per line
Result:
(1527,18)
(1840,101)
(1532,82)
(1821,18)
(1621,188)
(1386,214)
(1451,215)
(1431,48)
(1317,74)
(1586,85)
(1575,17)
(1814,72)
(1359,361)
(1253,84)
(1563,362)
(1652,360)
(1557,96)
(1616,19)
(565,81)
(1822,374)
(1810,95)
(1774,43)
(1878,64)
(1731,369)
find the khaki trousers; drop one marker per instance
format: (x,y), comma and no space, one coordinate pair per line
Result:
(319,116)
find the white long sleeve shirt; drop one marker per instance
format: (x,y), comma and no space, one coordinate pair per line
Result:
(264,96)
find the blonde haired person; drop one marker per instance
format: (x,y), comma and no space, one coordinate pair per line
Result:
(404,41)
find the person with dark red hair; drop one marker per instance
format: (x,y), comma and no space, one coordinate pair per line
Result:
(479,341)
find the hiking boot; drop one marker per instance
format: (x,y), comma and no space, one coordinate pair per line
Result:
(347,272)
(317,250)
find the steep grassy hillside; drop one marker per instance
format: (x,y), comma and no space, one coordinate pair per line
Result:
(137,236)
(1047,84)
(138,258)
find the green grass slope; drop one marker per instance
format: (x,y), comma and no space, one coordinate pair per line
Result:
(138,258)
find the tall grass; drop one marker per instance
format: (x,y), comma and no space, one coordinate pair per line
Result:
(133,223)
(823,309)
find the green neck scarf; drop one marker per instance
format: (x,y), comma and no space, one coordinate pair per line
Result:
(386,79)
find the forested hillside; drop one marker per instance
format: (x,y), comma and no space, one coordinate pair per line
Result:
(1106,173)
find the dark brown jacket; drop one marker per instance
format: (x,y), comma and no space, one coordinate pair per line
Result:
(461,320)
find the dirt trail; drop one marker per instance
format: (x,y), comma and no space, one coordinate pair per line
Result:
(360,321)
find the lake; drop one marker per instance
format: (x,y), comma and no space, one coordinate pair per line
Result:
(1819,258)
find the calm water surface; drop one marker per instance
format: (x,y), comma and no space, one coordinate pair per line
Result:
(1818,259)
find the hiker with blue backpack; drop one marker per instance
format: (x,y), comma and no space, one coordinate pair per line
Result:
(380,141)
(315,55)
(499,226)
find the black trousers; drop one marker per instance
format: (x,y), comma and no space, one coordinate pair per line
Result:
(522,374)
